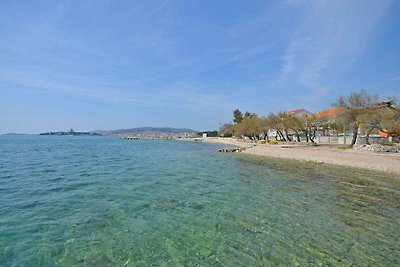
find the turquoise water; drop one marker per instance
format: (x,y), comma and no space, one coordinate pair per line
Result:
(99,201)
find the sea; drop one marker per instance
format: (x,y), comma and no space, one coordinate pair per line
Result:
(105,201)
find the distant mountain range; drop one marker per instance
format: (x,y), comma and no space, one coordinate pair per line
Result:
(140,130)
(167,130)
(14,134)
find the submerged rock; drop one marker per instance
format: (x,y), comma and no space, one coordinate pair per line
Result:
(230,150)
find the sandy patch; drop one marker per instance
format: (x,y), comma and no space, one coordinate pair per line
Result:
(386,162)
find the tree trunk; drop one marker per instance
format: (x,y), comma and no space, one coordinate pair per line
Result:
(355,134)
(367,135)
(266,138)
(281,136)
(298,137)
(306,134)
(287,136)
(312,136)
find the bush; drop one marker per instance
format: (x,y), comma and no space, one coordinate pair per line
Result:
(261,141)
(345,147)
(273,142)
(209,133)
(386,143)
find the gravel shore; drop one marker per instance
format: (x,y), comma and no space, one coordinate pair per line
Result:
(385,162)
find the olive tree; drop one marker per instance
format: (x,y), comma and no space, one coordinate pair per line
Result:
(353,108)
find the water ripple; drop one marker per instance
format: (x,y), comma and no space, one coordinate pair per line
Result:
(105,202)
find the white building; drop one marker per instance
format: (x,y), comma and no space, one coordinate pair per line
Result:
(301,113)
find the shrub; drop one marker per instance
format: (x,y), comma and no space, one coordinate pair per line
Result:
(345,147)
(386,143)
(261,141)
(273,142)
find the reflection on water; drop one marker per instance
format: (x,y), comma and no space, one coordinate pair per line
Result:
(107,202)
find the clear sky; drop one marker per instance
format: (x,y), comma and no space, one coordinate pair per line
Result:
(118,64)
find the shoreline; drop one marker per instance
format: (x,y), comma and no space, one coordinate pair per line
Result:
(382,162)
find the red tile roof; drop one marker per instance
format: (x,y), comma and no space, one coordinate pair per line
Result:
(327,112)
(383,134)
(297,110)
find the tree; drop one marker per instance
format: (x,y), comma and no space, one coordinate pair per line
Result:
(358,110)
(353,107)
(237,116)
(285,124)
(371,120)
(312,125)
(275,122)
(265,126)
(248,114)
(378,116)
(296,124)
(209,133)
(249,127)
(227,130)
(390,120)
(394,131)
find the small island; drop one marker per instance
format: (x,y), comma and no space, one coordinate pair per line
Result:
(71,133)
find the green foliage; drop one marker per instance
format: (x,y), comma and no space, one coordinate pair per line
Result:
(390,122)
(227,130)
(385,143)
(237,116)
(209,133)
(368,112)
(273,142)
(345,147)
(250,127)
(248,114)
(356,101)
(358,110)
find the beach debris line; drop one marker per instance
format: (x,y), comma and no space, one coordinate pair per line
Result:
(231,150)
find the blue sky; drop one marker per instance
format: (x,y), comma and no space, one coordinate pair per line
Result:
(116,64)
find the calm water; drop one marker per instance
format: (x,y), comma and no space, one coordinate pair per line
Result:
(108,202)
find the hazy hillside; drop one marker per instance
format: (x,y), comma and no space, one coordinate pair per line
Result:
(147,129)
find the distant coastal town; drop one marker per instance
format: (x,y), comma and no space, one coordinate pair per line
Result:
(148,133)
(70,133)
(353,120)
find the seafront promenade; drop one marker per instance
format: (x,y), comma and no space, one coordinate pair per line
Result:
(385,162)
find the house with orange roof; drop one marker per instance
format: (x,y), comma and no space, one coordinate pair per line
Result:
(383,134)
(330,115)
(327,113)
(327,134)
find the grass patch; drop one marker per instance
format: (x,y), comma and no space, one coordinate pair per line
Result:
(385,143)
(345,147)
(273,142)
